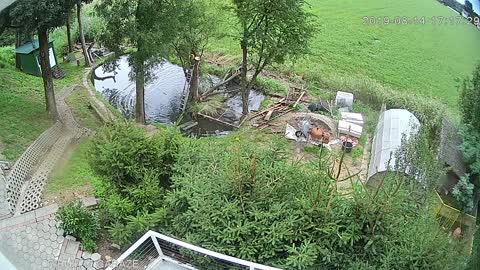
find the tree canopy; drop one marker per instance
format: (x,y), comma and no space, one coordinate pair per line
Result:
(146,25)
(272,31)
(43,15)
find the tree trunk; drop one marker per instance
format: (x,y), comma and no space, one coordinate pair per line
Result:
(82,36)
(18,43)
(47,74)
(140,93)
(194,80)
(244,83)
(69,35)
(89,52)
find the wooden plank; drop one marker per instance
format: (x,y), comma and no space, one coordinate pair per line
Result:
(269,114)
(299,98)
(217,120)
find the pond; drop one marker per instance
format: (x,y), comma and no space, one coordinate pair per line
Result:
(164,93)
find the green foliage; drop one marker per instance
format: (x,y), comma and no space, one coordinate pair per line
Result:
(463,193)
(470,148)
(416,157)
(208,107)
(196,25)
(44,15)
(271,86)
(78,221)
(125,155)
(469,98)
(137,170)
(250,201)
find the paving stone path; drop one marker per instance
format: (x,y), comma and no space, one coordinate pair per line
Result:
(34,241)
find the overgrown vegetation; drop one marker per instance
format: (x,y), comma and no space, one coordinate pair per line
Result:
(138,170)
(249,200)
(78,221)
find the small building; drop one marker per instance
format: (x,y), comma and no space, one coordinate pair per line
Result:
(392,126)
(29,57)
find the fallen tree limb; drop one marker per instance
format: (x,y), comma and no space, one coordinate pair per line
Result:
(231,78)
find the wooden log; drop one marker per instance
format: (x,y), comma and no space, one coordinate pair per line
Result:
(217,120)
(269,115)
(235,75)
(299,98)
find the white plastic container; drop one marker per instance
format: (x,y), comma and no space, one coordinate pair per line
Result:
(344,99)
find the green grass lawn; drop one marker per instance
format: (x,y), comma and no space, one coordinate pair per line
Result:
(74,177)
(427,59)
(22,109)
(22,104)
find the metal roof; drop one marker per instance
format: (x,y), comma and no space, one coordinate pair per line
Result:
(29,47)
(392,125)
(5,3)
(449,151)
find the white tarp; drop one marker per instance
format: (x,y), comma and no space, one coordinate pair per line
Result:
(347,128)
(354,118)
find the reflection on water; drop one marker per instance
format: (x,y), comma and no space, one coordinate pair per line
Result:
(163,93)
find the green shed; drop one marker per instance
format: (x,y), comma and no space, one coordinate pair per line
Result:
(28,53)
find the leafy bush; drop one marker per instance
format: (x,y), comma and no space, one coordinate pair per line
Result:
(235,197)
(137,169)
(124,154)
(470,92)
(463,193)
(78,221)
(470,149)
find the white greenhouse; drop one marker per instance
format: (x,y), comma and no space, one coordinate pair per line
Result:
(392,125)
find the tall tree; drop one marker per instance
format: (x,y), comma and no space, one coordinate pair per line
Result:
(42,16)
(69,35)
(271,32)
(146,25)
(196,24)
(81,35)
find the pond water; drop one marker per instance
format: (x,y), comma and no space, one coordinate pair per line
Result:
(164,93)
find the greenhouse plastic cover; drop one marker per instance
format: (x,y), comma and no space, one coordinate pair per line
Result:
(391,126)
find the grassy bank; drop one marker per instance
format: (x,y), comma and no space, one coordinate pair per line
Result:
(22,104)
(425,59)
(74,178)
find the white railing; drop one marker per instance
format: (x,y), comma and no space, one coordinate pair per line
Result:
(154,248)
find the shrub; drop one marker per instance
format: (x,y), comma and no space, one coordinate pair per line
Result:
(124,154)
(250,201)
(79,222)
(470,149)
(469,95)
(463,193)
(137,170)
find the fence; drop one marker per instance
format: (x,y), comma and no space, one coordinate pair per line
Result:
(154,250)
(450,218)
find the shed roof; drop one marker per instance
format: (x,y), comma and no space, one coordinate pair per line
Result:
(29,47)
(449,151)
(392,125)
